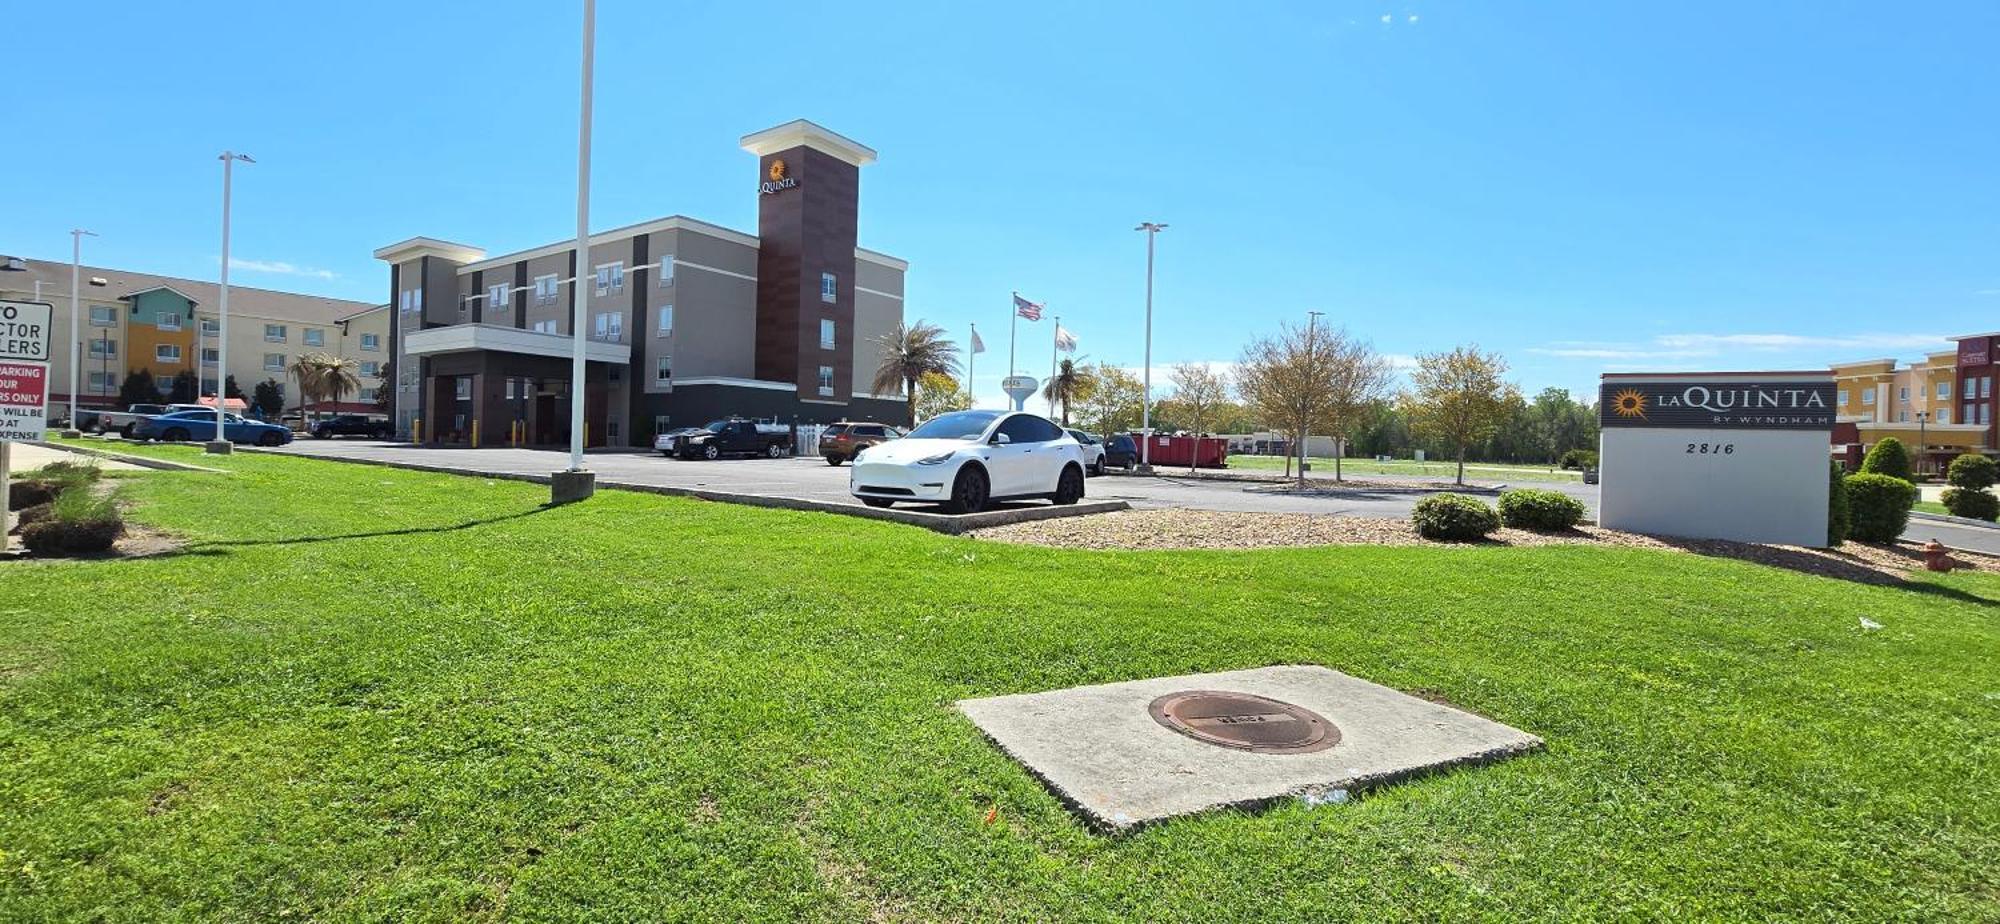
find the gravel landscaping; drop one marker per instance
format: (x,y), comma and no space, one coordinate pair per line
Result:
(1204,529)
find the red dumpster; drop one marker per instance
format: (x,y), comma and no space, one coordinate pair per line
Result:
(1208,451)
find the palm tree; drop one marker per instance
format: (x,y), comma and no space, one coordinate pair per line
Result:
(338,375)
(1071,383)
(311,386)
(908,352)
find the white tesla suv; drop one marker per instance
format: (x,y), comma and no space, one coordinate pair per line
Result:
(967,459)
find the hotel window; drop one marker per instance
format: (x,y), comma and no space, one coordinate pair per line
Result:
(826,380)
(666,271)
(103,382)
(371,368)
(1868,396)
(103,316)
(210,356)
(371,342)
(663,370)
(167,353)
(103,348)
(826,333)
(1840,398)
(513,389)
(1902,416)
(662,423)
(461,388)
(610,326)
(1985,386)
(210,327)
(1903,393)
(1944,391)
(615,374)
(610,278)
(545,327)
(274,333)
(545,289)
(666,319)
(611,429)
(167,320)
(315,337)
(1944,415)
(498,296)
(274,362)
(829,288)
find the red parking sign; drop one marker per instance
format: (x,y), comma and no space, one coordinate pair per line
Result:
(24,389)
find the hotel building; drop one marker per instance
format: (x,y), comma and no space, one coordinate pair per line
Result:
(1940,407)
(686,321)
(169,326)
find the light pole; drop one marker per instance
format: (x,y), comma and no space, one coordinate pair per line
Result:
(1305,436)
(1152,228)
(1923,418)
(76,236)
(220,444)
(576,484)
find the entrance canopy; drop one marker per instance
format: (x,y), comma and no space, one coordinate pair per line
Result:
(472,338)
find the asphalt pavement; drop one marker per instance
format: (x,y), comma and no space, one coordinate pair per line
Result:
(812,478)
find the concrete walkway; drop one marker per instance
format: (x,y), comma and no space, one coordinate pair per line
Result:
(27,457)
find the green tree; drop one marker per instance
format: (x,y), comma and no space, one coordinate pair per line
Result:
(1888,457)
(938,393)
(180,389)
(1113,405)
(908,351)
(1838,518)
(138,388)
(1197,388)
(268,397)
(1458,398)
(229,389)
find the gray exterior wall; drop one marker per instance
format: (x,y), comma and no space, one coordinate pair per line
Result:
(715,309)
(875,316)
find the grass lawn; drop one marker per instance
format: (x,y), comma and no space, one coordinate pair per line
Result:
(368,694)
(1931,507)
(1408,468)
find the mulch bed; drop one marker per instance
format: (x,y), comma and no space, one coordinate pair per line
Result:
(1207,529)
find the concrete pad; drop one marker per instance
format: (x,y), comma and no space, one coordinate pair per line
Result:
(1106,756)
(29,456)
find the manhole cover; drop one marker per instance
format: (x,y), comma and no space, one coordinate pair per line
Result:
(1244,722)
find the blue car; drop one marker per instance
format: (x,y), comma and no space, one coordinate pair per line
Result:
(181,426)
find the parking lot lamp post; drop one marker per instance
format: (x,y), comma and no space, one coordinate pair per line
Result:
(75,305)
(576,483)
(1923,417)
(1152,228)
(221,442)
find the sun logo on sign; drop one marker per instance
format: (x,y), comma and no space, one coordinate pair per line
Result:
(1629,403)
(777,170)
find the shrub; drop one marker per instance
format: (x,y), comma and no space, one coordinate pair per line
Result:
(1578,459)
(34,514)
(79,522)
(42,485)
(1543,511)
(1880,506)
(1972,471)
(1838,518)
(1888,457)
(1972,503)
(1453,517)
(30,493)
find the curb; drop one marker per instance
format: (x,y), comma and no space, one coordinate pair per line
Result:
(140,461)
(947,524)
(1946,518)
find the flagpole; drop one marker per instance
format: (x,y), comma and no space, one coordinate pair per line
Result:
(972,358)
(1013,326)
(1053,338)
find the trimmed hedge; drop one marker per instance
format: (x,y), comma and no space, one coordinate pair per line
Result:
(1972,503)
(1888,457)
(1453,518)
(1839,519)
(1973,471)
(1881,506)
(1539,510)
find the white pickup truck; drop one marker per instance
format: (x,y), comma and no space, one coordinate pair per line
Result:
(122,421)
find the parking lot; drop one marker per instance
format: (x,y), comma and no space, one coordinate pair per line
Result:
(812,479)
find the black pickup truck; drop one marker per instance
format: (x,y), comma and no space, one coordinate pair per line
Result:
(352,425)
(734,437)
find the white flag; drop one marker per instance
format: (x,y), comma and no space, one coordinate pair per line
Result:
(1065,341)
(978,345)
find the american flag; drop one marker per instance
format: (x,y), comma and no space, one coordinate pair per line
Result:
(1027,309)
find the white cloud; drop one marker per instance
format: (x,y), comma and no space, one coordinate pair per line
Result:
(279,267)
(1387,19)
(1400,361)
(1773,343)
(1413,17)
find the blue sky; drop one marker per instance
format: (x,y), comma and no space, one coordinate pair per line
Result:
(1581,186)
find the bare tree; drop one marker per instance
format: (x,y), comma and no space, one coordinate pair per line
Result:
(1293,381)
(1360,380)
(1198,389)
(1458,398)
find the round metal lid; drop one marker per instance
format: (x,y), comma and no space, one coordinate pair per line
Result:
(1245,722)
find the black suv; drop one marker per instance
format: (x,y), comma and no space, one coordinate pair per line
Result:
(352,425)
(1121,452)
